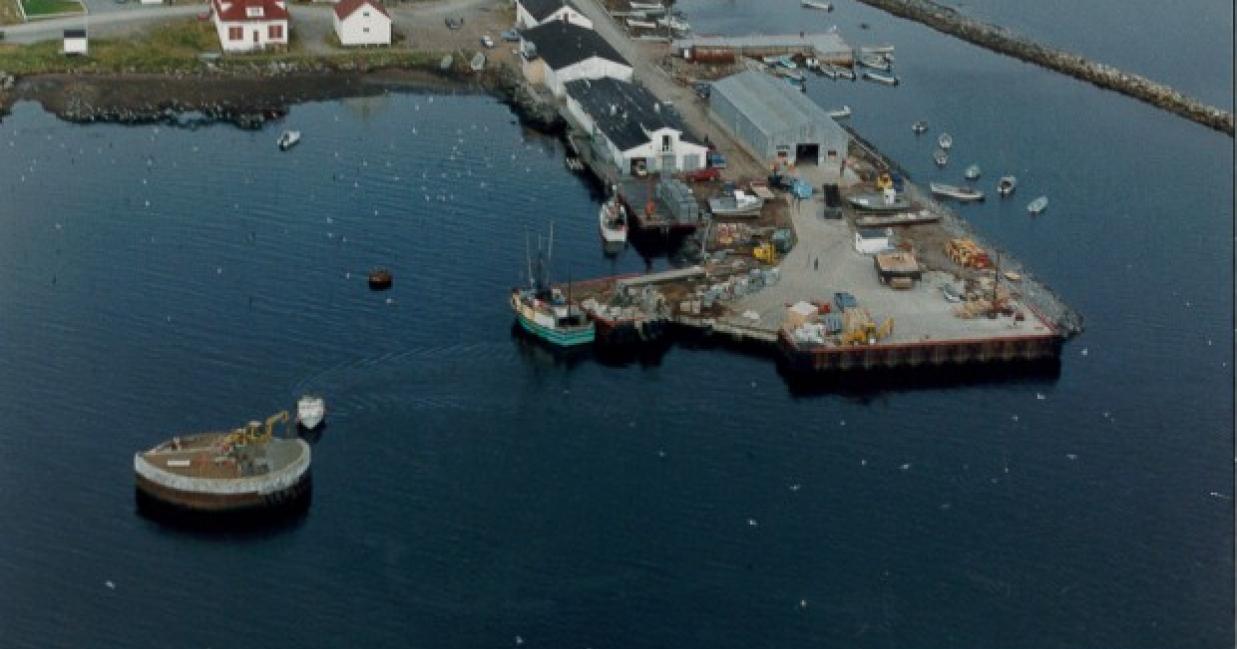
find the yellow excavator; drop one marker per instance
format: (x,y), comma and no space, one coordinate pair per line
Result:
(884,181)
(257,433)
(765,252)
(867,333)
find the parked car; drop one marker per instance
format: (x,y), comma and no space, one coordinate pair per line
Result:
(717,160)
(487,42)
(511,36)
(708,174)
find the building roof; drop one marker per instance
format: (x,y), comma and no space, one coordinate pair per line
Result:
(237,10)
(346,8)
(562,44)
(873,233)
(772,105)
(541,9)
(75,33)
(624,111)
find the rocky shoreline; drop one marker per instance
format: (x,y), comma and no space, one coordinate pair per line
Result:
(250,98)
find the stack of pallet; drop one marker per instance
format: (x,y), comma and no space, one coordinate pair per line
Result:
(965,252)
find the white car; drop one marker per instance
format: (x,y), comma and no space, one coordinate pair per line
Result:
(487,41)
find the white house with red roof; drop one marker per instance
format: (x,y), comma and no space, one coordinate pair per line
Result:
(362,22)
(247,25)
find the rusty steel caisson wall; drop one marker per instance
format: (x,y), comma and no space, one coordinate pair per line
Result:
(816,359)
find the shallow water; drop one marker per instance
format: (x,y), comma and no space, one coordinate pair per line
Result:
(472,488)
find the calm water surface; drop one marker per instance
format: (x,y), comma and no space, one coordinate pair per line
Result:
(472,488)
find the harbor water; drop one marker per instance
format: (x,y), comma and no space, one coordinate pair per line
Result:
(472,489)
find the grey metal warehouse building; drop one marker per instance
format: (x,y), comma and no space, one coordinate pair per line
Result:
(775,121)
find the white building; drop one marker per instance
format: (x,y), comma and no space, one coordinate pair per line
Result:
(362,22)
(75,42)
(628,126)
(556,53)
(869,241)
(530,13)
(247,25)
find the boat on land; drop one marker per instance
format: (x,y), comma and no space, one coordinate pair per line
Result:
(875,62)
(1006,185)
(888,200)
(247,469)
(962,194)
(635,23)
(647,6)
(288,139)
(612,218)
(816,4)
(879,77)
(972,172)
(545,312)
(740,203)
(901,218)
(446,63)
(1038,205)
(920,127)
(310,411)
(841,113)
(478,62)
(941,156)
(945,141)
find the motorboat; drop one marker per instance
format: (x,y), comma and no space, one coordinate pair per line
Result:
(1038,205)
(887,200)
(879,77)
(945,141)
(828,70)
(841,113)
(613,221)
(941,156)
(739,204)
(962,194)
(310,411)
(920,127)
(1006,185)
(972,172)
(901,218)
(874,61)
(288,139)
(844,73)
(816,4)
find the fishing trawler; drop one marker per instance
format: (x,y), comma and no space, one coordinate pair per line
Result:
(612,220)
(543,311)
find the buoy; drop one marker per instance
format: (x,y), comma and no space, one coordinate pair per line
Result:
(380,279)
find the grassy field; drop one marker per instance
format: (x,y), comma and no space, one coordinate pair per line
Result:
(175,47)
(36,8)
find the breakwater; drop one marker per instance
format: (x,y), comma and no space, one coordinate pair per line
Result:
(998,39)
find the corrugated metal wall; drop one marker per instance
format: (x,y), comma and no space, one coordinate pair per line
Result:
(739,124)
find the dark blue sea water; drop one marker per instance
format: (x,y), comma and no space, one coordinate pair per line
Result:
(472,489)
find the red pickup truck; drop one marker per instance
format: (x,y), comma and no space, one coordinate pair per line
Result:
(704,175)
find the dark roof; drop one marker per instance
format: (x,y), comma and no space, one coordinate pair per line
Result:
(541,9)
(873,233)
(75,33)
(346,7)
(624,111)
(562,44)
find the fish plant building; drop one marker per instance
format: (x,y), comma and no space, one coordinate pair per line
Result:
(556,53)
(530,13)
(775,122)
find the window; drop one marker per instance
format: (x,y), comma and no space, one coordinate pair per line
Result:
(365,29)
(665,143)
(253,12)
(365,14)
(275,32)
(235,33)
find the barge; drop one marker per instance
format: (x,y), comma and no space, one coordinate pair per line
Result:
(244,470)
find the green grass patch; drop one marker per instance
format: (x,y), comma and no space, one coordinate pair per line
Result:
(36,8)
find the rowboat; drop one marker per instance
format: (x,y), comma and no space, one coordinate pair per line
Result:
(963,194)
(887,79)
(941,156)
(1006,185)
(478,62)
(844,73)
(815,4)
(1038,205)
(945,141)
(972,172)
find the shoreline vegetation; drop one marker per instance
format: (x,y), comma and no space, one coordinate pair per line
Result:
(173,74)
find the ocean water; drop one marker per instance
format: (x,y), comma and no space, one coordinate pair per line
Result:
(474,490)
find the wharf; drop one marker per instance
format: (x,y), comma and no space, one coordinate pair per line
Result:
(828,47)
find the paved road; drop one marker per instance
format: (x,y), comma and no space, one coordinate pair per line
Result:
(116,22)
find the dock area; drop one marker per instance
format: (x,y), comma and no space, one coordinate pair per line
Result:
(828,47)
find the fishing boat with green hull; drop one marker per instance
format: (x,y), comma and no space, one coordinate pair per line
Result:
(545,312)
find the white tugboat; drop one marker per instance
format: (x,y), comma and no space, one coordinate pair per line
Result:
(288,139)
(310,411)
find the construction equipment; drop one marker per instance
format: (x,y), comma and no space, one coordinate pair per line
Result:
(965,252)
(884,181)
(858,328)
(255,432)
(765,252)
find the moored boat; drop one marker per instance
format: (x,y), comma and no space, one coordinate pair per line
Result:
(612,219)
(945,141)
(920,127)
(963,194)
(845,72)
(941,157)
(1006,185)
(874,61)
(1038,205)
(879,77)
(816,4)
(739,204)
(288,139)
(544,312)
(902,218)
(828,71)
(887,200)
(380,279)
(841,113)
(972,172)
(310,411)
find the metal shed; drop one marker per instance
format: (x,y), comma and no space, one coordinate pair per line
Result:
(775,121)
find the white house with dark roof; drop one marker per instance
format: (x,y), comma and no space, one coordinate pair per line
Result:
(556,53)
(630,127)
(362,22)
(530,13)
(246,25)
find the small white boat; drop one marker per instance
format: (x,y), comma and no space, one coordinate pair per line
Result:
(941,156)
(647,6)
(815,4)
(1006,185)
(613,221)
(676,24)
(478,62)
(640,24)
(310,411)
(740,204)
(920,127)
(878,77)
(972,172)
(1038,205)
(288,139)
(874,61)
(876,49)
(446,62)
(945,141)
(841,113)
(828,71)
(963,194)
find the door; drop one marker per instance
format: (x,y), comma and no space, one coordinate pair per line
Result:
(255,37)
(667,163)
